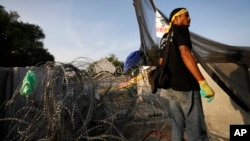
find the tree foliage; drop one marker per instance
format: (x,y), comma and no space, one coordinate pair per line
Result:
(118,64)
(20,43)
(114,60)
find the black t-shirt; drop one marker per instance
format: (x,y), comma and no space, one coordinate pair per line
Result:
(181,78)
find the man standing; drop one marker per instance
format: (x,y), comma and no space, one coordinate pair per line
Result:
(187,84)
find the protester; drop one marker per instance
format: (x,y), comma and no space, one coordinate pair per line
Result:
(187,84)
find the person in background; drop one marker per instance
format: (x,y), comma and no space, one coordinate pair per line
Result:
(187,84)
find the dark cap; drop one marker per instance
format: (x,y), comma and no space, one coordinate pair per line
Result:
(174,12)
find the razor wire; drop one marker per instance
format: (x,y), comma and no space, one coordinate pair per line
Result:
(70,104)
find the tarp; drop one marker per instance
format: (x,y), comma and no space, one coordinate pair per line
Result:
(229,66)
(132,60)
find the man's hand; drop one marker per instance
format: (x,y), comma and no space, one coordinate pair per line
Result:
(206,91)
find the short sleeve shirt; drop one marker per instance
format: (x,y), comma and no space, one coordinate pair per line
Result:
(181,78)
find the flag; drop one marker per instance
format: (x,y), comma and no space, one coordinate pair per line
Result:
(160,24)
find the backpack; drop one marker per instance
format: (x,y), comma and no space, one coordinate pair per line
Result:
(160,77)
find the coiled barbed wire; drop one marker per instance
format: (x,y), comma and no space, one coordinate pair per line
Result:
(71,104)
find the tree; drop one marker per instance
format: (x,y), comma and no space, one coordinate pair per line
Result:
(114,60)
(118,64)
(21,43)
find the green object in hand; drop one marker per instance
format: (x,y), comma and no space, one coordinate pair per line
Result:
(206,91)
(203,94)
(29,84)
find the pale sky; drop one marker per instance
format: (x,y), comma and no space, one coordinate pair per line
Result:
(97,28)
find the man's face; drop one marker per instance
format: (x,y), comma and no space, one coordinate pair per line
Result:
(183,19)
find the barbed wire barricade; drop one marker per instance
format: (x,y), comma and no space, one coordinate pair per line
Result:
(69,103)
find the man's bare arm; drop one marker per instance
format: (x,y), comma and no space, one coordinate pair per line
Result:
(190,62)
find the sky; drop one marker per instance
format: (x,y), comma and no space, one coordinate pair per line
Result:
(97,28)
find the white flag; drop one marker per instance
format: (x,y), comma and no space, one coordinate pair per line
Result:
(160,24)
